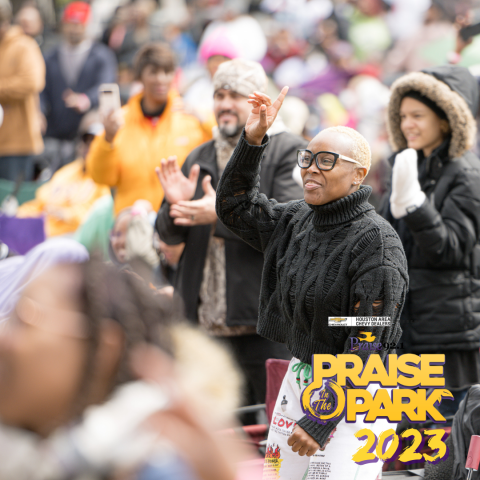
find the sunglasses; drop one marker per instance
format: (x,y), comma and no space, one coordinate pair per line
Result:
(323,160)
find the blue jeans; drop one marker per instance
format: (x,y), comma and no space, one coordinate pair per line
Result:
(13,166)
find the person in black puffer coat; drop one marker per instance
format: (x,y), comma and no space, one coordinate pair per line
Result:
(434,205)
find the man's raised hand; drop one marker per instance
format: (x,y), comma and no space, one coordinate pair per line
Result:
(176,185)
(262,115)
(196,212)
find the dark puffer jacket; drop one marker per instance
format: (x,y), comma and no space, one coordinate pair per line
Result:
(441,238)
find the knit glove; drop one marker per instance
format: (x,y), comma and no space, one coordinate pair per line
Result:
(406,190)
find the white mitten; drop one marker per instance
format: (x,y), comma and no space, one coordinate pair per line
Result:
(406,190)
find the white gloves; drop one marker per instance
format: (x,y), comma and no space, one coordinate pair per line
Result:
(406,190)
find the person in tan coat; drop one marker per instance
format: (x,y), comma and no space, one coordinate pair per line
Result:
(22,78)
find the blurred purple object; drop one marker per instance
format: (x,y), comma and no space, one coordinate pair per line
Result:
(332,80)
(21,234)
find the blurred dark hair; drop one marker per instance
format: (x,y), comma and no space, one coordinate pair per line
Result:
(159,55)
(143,313)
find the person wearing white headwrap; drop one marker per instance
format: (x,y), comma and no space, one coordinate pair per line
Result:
(17,272)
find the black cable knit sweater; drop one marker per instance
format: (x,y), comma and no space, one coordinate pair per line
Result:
(319,261)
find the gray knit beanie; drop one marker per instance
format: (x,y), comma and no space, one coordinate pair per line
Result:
(241,76)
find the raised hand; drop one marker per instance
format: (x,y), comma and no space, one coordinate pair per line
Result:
(196,212)
(176,185)
(406,189)
(262,115)
(112,123)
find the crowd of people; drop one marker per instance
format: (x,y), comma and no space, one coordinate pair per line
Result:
(217,219)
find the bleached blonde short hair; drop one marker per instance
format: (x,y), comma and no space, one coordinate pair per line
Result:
(360,148)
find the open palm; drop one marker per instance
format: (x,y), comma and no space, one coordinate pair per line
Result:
(176,185)
(262,116)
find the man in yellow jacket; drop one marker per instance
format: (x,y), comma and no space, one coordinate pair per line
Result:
(149,128)
(22,78)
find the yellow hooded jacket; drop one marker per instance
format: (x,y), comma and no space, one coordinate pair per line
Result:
(139,146)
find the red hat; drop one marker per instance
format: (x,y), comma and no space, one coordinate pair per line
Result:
(76,12)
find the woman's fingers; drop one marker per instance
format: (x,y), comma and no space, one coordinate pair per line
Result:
(281,97)
(263,116)
(303,451)
(262,98)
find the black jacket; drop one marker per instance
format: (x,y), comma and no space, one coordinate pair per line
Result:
(243,263)
(442,311)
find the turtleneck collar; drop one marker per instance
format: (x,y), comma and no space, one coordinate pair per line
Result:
(343,210)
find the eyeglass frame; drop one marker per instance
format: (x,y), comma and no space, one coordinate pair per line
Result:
(336,156)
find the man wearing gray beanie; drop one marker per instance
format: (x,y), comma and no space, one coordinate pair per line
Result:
(218,274)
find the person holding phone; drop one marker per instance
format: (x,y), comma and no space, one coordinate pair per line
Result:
(150,127)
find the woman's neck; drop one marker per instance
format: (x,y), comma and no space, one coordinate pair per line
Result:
(427,151)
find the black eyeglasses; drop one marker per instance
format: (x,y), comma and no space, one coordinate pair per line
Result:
(323,160)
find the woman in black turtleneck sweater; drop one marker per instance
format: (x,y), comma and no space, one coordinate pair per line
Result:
(326,256)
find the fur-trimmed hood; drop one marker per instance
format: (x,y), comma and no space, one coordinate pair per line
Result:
(453,89)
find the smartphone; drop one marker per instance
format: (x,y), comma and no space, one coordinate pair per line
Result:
(108,98)
(470,31)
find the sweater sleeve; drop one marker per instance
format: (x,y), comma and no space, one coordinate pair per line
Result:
(447,236)
(377,291)
(103,162)
(240,207)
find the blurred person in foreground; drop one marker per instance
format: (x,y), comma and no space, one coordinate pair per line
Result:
(22,78)
(16,272)
(219,275)
(75,70)
(68,196)
(433,202)
(150,127)
(327,255)
(91,388)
